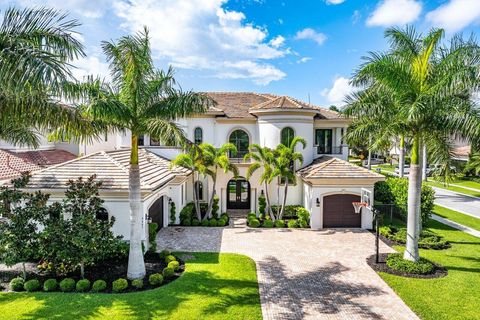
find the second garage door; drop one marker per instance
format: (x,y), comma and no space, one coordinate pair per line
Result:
(338,211)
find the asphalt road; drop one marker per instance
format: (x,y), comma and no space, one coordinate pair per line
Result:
(458,202)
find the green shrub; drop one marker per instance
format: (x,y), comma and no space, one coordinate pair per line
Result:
(50,285)
(155,279)
(175,265)
(173,210)
(205,223)
(188,213)
(186,223)
(168,272)
(152,235)
(195,222)
(280,224)
(268,224)
(221,222)
(17,284)
(385,231)
(225,216)
(292,223)
(31,285)
(67,285)
(291,211)
(396,262)
(427,240)
(164,253)
(251,215)
(99,286)
(215,206)
(137,284)
(83,285)
(254,223)
(119,285)
(302,223)
(169,259)
(303,214)
(262,204)
(213,222)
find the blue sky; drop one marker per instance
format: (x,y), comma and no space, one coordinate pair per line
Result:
(298,48)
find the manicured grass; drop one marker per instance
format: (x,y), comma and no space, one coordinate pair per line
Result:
(466,182)
(455,296)
(458,217)
(453,188)
(214,286)
(387,167)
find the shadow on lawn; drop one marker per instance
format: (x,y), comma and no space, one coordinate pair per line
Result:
(319,291)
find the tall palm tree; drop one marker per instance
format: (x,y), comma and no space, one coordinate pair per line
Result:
(144,101)
(433,86)
(285,162)
(37,47)
(264,158)
(215,159)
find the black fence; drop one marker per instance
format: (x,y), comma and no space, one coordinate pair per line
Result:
(390,211)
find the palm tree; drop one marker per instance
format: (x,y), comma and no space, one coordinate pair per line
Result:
(432,85)
(144,101)
(285,162)
(263,158)
(37,47)
(215,159)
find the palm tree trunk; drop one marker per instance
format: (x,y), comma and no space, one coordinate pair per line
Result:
(414,190)
(196,202)
(210,203)
(267,198)
(136,265)
(284,199)
(369,160)
(424,162)
(401,160)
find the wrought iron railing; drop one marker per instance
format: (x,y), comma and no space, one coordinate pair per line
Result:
(329,149)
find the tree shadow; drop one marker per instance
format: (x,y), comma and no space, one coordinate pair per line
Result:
(319,291)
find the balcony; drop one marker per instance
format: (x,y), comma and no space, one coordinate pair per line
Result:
(330,149)
(238,158)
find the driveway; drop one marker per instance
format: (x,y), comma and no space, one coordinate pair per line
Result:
(303,274)
(458,202)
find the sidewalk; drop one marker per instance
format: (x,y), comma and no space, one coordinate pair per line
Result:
(456,225)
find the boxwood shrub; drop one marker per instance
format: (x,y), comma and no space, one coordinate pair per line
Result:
(155,279)
(99,286)
(213,222)
(253,223)
(175,265)
(83,285)
(221,222)
(137,284)
(50,285)
(170,258)
(168,272)
(195,222)
(31,285)
(268,224)
(16,284)
(205,223)
(164,253)
(292,224)
(119,285)
(428,239)
(396,262)
(280,224)
(67,285)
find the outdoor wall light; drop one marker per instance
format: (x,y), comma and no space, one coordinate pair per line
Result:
(261,192)
(318,202)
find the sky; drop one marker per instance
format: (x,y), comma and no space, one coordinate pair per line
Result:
(305,49)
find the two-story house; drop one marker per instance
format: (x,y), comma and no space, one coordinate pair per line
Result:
(326,185)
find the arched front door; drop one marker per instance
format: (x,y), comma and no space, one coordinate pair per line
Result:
(238,194)
(156,212)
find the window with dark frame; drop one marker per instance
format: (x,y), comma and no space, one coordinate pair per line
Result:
(199,187)
(286,136)
(324,141)
(141,140)
(240,140)
(154,142)
(198,135)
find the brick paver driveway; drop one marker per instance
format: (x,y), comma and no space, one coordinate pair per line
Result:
(303,274)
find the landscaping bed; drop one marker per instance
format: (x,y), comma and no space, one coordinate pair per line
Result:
(393,235)
(294,217)
(436,271)
(108,271)
(189,218)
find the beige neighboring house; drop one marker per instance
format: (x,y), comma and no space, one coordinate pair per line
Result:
(327,184)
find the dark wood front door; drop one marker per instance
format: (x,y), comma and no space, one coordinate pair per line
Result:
(338,211)
(238,194)
(156,212)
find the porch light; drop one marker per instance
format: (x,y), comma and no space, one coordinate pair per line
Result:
(318,202)
(261,193)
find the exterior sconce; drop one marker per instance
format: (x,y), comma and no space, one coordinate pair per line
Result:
(261,192)
(149,219)
(318,202)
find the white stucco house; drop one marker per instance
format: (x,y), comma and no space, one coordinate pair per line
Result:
(326,184)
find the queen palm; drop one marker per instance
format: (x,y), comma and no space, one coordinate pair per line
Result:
(37,47)
(144,101)
(432,85)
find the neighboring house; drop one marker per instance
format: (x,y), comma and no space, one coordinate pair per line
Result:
(327,184)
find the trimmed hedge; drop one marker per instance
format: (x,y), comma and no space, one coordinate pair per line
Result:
(170,258)
(291,211)
(31,285)
(396,262)
(155,279)
(83,285)
(292,224)
(168,272)
(395,191)
(253,223)
(175,265)
(428,239)
(119,285)
(50,285)
(279,224)
(16,284)
(137,284)
(268,224)
(99,286)
(67,285)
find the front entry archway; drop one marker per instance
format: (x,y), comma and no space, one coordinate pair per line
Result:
(156,212)
(238,194)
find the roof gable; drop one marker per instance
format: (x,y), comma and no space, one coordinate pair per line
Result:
(333,168)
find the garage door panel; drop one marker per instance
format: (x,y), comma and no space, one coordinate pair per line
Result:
(338,211)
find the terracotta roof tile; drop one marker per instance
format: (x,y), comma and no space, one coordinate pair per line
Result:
(329,167)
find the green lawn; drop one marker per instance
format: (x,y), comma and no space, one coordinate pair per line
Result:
(386,167)
(455,296)
(466,182)
(458,217)
(214,286)
(453,188)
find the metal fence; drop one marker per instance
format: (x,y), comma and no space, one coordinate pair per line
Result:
(390,211)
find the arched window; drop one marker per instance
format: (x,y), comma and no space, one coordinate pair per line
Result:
(199,187)
(239,138)
(102,214)
(198,135)
(286,136)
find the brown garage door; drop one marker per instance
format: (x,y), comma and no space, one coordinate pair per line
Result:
(338,211)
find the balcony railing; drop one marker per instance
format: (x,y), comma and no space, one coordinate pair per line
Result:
(238,158)
(329,149)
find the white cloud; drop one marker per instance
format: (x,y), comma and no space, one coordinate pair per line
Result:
(309,33)
(334,1)
(90,65)
(337,93)
(304,59)
(86,8)
(202,35)
(455,15)
(356,16)
(395,12)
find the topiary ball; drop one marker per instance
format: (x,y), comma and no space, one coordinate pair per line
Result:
(175,265)
(119,285)
(195,222)
(251,215)
(67,285)
(137,284)
(17,284)
(186,223)
(50,285)
(168,272)
(292,224)
(99,286)
(170,258)
(280,224)
(155,279)
(164,253)
(83,285)
(224,216)
(221,222)
(254,223)
(31,285)
(213,222)
(302,223)
(205,223)
(268,224)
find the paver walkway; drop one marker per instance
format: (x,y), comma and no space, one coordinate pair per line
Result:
(303,274)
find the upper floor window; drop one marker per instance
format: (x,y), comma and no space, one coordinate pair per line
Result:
(154,142)
(198,135)
(240,140)
(324,140)
(286,136)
